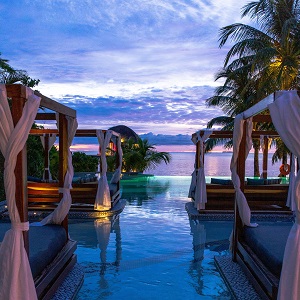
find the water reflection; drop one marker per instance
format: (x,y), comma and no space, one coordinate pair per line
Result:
(138,189)
(198,233)
(104,227)
(204,250)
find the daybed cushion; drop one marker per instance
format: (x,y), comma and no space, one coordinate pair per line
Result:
(255,181)
(45,242)
(273,181)
(221,181)
(262,181)
(268,242)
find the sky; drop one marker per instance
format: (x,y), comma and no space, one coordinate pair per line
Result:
(146,64)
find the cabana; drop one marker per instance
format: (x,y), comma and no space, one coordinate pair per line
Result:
(31,267)
(268,253)
(88,193)
(262,194)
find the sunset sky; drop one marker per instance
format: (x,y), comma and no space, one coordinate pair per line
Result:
(147,64)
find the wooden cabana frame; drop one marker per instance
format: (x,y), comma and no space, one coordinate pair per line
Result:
(44,196)
(265,281)
(260,197)
(47,282)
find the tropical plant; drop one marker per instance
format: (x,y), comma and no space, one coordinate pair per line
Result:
(263,59)
(270,51)
(140,155)
(84,163)
(9,75)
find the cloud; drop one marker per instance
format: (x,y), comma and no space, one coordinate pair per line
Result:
(149,65)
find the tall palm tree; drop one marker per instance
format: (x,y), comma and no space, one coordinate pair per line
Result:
(233,100)
(266,57)
(272,50)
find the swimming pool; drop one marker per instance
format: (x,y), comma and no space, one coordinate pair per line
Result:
(151,250)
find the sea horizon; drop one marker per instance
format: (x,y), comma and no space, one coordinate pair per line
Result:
(215,164)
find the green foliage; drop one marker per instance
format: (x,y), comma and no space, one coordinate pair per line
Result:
(263,59)
(139,156)
(35,156)
(84,163)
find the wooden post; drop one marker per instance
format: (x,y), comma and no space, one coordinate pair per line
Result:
(241,173)
(46,157)
(63,158)
(18,95)
(265,158)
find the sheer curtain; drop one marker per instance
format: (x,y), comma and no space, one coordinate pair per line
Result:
(117,174)
(16,280)
(51,141)
(103,201)
(200,188)
(243,207)
(61,211)
(285,113)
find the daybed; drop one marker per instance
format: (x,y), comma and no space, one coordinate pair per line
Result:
(88,193)
(262,194)
(33,260)
(269,253)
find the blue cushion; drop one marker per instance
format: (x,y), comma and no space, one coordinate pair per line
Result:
(273,181)
(45,242)
(221,181)
(255,181)
(268,241)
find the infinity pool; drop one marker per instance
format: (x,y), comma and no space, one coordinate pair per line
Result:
(151,250)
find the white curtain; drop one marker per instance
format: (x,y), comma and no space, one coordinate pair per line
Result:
(243,207)
(198,183)
(290,202)
(61,211)
(52,139)
(16,280)
(103,201)
(285,113)
(117,174)
(103,229)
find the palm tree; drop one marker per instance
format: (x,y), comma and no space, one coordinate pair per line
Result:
(233,100)
(141,155)
(262,60)
(271,51)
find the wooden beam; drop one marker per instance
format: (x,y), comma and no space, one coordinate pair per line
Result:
(19,89)
(222,134)
(55,106)
(258,107)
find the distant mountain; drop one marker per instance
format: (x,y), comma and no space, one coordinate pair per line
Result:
(164,139)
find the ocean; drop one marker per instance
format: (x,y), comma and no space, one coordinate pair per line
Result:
(215,164)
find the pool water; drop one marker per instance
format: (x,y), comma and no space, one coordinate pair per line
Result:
(151,250)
